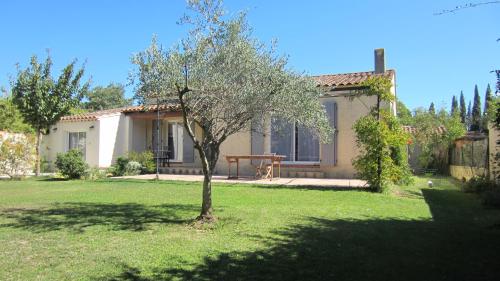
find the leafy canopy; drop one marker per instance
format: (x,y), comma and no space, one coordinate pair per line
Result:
(111,96)
(225,78)
(43,100)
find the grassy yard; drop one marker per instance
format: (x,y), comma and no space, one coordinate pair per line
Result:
(138,230)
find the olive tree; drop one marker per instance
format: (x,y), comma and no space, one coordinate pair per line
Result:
(223,79)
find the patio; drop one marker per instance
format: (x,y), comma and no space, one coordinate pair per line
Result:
(327,183)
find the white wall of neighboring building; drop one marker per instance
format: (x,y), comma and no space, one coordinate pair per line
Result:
(57,141)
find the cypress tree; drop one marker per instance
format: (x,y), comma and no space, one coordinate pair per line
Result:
(432,110)
(488,99)
(463,113)
(476,121)
(468,119)
(454,105)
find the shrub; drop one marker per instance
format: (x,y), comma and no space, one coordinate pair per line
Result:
(146,159)
(118,169)
(16,155)
(94,173)
(71,164)
(133,168)
(479,185)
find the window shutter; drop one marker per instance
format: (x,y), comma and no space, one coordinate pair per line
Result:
(335,134)
(257,142)
(187,147)
(329,150)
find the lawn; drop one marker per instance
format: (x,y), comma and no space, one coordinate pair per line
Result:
(141,230)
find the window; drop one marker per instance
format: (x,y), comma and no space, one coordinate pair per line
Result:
(77,140)
(297,143)
(174,140)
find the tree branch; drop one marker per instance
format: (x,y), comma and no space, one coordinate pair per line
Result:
(465,6)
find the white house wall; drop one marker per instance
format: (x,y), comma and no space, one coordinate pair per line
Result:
(114,138)
(57,140)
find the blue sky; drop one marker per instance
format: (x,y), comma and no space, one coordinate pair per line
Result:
(435,56)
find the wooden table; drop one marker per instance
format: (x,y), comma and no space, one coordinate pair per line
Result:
(275,160)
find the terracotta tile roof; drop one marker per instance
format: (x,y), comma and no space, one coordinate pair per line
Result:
(348,79)
(93,116)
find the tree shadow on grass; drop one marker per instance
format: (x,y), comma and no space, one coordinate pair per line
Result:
(77,216)
(454,245)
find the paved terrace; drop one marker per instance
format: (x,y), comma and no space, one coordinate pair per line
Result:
(333,183)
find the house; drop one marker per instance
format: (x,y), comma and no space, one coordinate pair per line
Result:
(105,135)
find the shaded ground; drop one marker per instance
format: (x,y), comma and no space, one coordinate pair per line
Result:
(263,234)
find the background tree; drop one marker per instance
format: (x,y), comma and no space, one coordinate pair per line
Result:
(111,96)
(463,109)
(43,100)
(381,140)
(454,105)
(468,119)
(488,100)
(432,109)
(11,119)
(477,117)
(223,78)
(435,134)
(404,114)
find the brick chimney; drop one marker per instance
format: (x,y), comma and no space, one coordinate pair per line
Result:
(379,61)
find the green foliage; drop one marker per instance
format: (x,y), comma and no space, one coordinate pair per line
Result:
(111,96)
(463,110)
(404,114)
(488,103)
(71,164)
(454,105)
(468,119)
(94,173)
(11,119)
(43,100)
(133,168)
(146,159)
(435,142)
(479,184)
(432,109)
(477,120)
(119,168)
(382,142)
(494,111)
(16,155)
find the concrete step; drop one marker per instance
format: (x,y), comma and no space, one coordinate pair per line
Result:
(181,171)
(303,174)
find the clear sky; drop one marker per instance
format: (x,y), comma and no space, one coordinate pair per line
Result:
(435,56)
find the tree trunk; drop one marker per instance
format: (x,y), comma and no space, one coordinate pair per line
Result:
(208,160)
(206,205)
(38,145)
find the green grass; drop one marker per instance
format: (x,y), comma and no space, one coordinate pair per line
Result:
(139,230)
